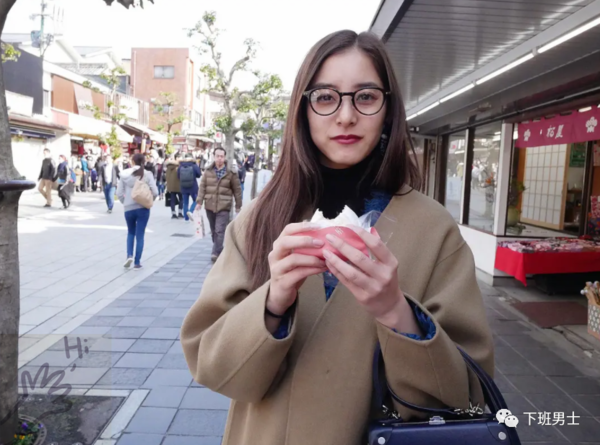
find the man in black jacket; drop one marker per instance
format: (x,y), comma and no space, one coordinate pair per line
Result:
(109,174)
(47,177)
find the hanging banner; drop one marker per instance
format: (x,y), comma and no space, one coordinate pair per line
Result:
(576,127)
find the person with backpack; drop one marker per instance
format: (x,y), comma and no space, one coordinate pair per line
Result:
(188,174)
(136,214)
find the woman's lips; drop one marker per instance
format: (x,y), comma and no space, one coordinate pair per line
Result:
(347,139)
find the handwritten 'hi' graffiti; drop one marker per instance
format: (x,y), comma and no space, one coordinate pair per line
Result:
(31,384)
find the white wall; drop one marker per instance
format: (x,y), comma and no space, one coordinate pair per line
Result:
(483,246)
(29,153)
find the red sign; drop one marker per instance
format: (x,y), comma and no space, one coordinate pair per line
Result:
(576,127)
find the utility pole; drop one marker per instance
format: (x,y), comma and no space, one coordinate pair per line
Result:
(41,39)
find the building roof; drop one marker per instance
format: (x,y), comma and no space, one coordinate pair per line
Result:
(86,69)
(86,50)
(439,47)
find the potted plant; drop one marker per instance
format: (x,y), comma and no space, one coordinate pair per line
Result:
(514,193)
(29,432)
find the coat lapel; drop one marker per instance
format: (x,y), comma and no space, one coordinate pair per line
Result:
(329,333)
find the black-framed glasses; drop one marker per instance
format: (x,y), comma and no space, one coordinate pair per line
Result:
(326,101)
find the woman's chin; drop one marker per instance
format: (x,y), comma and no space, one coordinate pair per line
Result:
(343,160)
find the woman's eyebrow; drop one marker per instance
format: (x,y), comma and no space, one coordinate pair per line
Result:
(356,85)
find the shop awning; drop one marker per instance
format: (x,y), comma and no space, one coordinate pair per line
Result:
(200,137)
(452,55)
(138,130)
(35,128)
(89,128)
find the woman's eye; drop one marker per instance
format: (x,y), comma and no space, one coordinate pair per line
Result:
(324,98)
(365,97)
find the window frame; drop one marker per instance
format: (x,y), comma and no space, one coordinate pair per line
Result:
(162,67)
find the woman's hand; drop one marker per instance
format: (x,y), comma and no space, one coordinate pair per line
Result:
(289,270)
(373,282)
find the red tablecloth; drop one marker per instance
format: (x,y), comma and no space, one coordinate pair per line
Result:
(520,264)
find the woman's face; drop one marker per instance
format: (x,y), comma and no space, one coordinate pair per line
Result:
(346,72)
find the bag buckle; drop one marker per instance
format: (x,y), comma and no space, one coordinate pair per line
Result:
(470,411)
(390,413)
(437,420)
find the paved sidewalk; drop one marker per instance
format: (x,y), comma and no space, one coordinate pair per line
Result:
(132,332)
(71,262)
(135,351)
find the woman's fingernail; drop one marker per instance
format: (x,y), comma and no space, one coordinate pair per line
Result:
(317,242)
(330,238)
(327,254)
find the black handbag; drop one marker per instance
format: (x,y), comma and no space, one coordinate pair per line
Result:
(471,426)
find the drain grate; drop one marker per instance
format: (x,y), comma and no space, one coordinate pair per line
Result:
(182,235)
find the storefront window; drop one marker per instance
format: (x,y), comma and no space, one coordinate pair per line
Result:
(486,153)
(455,173)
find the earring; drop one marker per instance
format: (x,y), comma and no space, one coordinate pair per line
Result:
(383,143)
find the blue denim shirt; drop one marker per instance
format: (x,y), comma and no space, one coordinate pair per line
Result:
(377,202)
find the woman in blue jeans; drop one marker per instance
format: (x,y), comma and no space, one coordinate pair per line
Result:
(136,216)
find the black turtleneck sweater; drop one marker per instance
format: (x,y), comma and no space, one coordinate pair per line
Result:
(341,188)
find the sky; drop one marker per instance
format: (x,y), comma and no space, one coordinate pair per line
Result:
(285,29)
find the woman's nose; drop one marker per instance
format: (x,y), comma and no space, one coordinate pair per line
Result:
(346,113)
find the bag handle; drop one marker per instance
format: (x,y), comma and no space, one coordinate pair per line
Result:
(492,396)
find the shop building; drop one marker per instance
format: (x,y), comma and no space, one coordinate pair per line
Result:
(501,95)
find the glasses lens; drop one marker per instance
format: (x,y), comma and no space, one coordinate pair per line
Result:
(369,101)
(324,101)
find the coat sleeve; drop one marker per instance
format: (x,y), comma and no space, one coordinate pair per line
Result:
(437,376)
(237,191)
(152,184)
(224,337)
(202,191)
(121,190)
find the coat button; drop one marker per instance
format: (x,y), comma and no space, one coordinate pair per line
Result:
(381,440)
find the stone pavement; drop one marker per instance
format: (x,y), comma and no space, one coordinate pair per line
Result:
(71,262)
(132,334)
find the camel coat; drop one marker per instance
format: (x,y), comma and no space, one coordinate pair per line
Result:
(315,386)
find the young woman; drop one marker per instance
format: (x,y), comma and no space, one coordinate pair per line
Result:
(294,350)
(136,216)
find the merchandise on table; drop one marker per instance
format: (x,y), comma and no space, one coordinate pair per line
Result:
(552,245)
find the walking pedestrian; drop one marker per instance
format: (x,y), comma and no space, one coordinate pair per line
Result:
(160,178)
(188,174)
(99,166)
(109,175)
(218,188)
(174,186)
(46,178)
(136,215)
(294,351)
(85,169)
(63,174)
(242,176)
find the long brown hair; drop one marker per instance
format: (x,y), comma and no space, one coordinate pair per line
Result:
(139,160)
(296,185)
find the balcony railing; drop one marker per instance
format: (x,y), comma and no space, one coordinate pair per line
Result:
(136,110)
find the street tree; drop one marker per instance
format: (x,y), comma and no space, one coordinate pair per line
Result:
(220,81)
(170,114)
(12,184)
(9,53)
(264,107)
(115,112)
